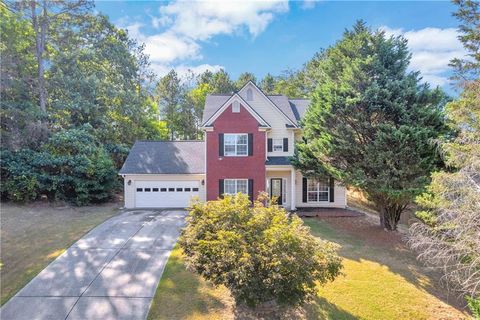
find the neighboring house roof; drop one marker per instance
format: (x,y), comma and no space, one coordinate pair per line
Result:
(165,157)
(278,161)
(294,109)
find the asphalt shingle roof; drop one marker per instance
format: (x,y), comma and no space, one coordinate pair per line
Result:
(294,109)
(213,102)
(278,161)
(165,157)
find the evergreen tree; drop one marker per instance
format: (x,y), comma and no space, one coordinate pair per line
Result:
(221,83)
(267,84)
(168,94)
(371,123)
(244,78)
(469,15)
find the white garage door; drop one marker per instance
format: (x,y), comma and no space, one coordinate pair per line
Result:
(165,194)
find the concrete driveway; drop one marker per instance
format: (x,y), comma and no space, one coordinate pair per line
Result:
(110,273)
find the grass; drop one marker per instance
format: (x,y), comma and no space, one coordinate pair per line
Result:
(34,235)
(382,280)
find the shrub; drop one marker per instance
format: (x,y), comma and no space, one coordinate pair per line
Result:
(72,166)
(474,306)
(258,252)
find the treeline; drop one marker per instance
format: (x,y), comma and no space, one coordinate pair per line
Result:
(181,99)
(76,92)
(74,97)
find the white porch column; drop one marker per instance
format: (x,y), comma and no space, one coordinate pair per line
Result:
(292,192)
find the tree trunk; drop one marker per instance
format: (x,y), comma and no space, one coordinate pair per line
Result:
(40,30)
(388,218)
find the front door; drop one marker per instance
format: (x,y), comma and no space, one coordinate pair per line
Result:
(276,189)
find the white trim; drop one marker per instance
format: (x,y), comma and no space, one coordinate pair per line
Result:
(278,168)
(270,101)
(293,189)
(245,105)
(236,185)
(235,155)
(318,191)
(273,144)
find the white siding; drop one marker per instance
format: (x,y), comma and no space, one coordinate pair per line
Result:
(129,190)
(273,116)
(340,196)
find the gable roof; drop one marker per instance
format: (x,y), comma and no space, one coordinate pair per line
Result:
(250,82)
(218,111)
(165,157)
(294,109)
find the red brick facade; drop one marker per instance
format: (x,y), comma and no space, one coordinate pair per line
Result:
(226,167)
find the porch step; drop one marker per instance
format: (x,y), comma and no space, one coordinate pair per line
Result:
(328,212)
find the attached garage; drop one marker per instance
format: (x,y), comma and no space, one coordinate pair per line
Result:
(164,174)
(161,193)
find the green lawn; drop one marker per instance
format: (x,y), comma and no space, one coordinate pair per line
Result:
(34,235)
(382,281)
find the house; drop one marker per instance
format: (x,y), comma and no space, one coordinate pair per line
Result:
(249,138)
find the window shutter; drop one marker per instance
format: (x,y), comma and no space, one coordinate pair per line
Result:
(221,188)
(220,145)
(250,144)
(270,145)
(285,144)
(304,189)
(250,189)
(332,190)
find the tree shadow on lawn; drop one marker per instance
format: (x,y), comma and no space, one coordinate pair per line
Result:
(182,294)
(363,242)
(320,308)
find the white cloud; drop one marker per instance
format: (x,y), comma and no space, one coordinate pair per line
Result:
(308,4)
(432,49)
(165,47)
(186,25)
(201,20)
(183,69)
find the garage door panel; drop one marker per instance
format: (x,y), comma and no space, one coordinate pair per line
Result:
(165,194)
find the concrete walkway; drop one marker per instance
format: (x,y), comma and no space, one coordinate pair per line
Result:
(110,273)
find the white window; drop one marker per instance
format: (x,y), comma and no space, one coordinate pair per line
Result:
(284,190)
(236,107)
(277,144)
(249,95)
(317,190)
(235,144)
(233,186)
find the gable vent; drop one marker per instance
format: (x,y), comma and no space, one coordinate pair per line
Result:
(236,107)
(249,95)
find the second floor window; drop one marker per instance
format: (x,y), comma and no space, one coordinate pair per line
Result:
(278,145)
(236,144)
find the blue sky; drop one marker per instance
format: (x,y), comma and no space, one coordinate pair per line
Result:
(273,36)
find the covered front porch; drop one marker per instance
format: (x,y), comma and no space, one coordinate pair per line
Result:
(280,183)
